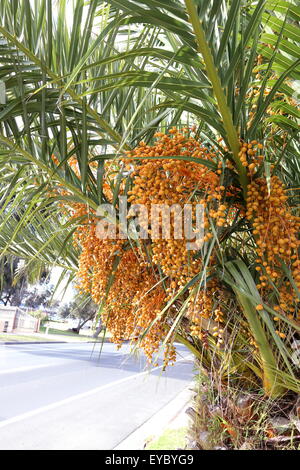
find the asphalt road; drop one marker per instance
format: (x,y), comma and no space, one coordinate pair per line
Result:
(69,396)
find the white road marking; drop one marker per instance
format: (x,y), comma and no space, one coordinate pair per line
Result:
(26,368)
(73,398)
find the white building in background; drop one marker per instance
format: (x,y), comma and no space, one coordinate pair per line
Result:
(14,319)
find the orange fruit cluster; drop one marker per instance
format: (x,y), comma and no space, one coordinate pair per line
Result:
(116,274)
(276,230)
(177,182)
(205,313)
(135,298)
(250,156)
(126,278)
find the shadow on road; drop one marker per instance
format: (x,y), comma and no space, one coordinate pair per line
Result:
(112,359)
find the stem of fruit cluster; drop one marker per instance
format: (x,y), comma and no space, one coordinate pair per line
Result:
(212,73)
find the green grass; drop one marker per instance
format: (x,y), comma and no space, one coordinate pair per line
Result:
(61,335)
(12,338)
(80,336)
(171,439)
(55,331)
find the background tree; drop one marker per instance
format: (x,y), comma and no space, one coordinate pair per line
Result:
(12,289)
(40,296)
(15,282)
(82,309)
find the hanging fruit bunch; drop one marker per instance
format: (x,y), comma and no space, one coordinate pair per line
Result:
(133,282)
(169,182)
(276,232)
(129,277)
(115,274)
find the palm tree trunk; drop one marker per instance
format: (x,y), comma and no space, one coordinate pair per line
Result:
(223,419)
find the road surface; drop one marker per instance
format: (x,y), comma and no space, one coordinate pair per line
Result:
(69,396)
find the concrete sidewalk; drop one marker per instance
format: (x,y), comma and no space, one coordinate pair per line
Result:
(171,416)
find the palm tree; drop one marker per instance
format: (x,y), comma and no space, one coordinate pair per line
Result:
(79,94)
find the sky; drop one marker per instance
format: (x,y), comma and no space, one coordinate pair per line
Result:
(60,295)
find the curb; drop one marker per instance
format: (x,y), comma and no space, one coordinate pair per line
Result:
(52,342)
(157,423)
